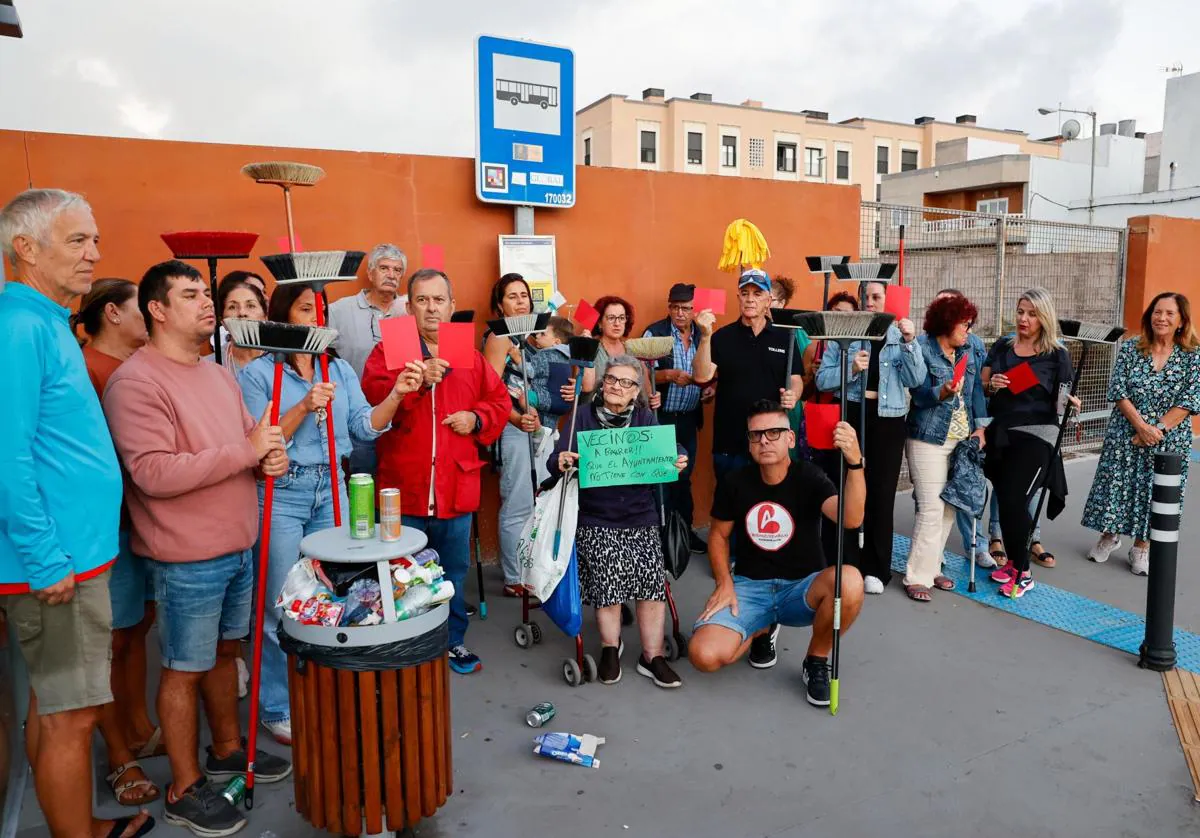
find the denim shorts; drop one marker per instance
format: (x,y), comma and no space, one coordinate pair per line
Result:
(199,604)
(131,586)
(763,602)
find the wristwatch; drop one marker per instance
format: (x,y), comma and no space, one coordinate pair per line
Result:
(855,467)
(478,423)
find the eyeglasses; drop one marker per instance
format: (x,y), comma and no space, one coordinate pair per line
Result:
(623,383)
(680,307)
(615,318)
(771,435)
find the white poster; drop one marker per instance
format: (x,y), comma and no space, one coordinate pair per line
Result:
(533,257)
(526,92)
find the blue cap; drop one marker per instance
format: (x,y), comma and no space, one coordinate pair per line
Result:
(754,276)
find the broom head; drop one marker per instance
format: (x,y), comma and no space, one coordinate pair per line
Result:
(839,325)
(520,325)
(210,244)
(1090,332)
(786,317)
(284,173)
(650,349)
(465,316)
(279,337)
(865,271)
(824,264)
(314,265)
(583,350)
(744,245)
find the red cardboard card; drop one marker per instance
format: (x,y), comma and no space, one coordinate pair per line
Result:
(1021,378)
(709,299)
(960,369)
(898,301)
(400,341)
(585,315)
(456,344)
(433,256)
(285,246)
(819,422)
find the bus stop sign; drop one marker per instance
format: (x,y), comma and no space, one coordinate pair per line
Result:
(524,123)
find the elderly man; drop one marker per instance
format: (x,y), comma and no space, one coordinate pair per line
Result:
(191,451)
(59,504)
(431,453)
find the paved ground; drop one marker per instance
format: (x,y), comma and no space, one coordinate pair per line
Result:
(956,720)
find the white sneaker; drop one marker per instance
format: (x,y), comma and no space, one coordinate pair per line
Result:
(281,731)
(1104,548)
(1139,561)
(243,678)
(984,560)
(873,585)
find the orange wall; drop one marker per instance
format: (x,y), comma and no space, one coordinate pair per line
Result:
(632,233)
(1163,254)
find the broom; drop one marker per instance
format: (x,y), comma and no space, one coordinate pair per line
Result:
(785,318)
(518,328)
(285,175)
(281,340)
(211,246)
(583,355)
(824,265)
(648,350)
(844,328)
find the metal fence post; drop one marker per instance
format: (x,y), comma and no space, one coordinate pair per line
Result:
(1001,245)
(1158,649)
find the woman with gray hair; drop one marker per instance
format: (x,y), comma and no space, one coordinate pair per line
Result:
(617,540)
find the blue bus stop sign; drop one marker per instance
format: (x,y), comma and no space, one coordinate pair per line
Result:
(524,123)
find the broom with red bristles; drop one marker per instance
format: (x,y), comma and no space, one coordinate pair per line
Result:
(211,246)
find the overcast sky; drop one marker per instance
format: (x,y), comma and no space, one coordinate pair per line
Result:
(396,75)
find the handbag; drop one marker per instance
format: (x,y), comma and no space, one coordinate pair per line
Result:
(676,539)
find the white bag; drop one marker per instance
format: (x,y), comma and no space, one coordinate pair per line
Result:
(541,568)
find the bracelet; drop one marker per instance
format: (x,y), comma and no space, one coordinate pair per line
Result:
(855,466)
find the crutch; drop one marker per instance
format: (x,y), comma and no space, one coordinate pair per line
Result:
(823,265)
(844,328)
(974,536)
(280,340)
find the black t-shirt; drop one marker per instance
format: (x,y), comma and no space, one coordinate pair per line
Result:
(749,367)
(778,527)
(1039,403)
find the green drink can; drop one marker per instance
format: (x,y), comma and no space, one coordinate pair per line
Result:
(540,714)
(235,790)
(362,506)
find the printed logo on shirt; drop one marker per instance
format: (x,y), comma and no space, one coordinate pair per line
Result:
(769,526)
(776,349)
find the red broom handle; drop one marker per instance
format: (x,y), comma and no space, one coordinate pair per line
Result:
(335,473)
(260,597)
(901,254)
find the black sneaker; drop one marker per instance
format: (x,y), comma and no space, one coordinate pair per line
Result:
(816,677)
(762,649)
(202,810)
(609,670)
(471,610)
(696,543)
(268,768)
(659,672)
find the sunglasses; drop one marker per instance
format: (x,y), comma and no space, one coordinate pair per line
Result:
(623,383)
(771,435)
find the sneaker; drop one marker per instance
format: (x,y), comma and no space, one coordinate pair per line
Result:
(1014,590)
(243,678)
(464,661)
(762,649)
(659,672)
(1104,548)
(1139,561)
(984,560)
(696,544)
(202,810)
(609,670)
(873,585)
(816,679)
(281,732)
(1003,575)
(268,768)
(471,610)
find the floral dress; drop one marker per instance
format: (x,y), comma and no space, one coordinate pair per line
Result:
(1119,501)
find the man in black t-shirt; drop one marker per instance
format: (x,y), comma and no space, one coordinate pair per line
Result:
(775,508)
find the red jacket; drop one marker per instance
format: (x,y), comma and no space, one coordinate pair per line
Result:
(406,453)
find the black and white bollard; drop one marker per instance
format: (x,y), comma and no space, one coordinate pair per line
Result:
(1158,649)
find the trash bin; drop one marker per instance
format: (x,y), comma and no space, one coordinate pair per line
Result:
(370,705)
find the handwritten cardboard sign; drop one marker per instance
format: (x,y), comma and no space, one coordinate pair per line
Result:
(627,456)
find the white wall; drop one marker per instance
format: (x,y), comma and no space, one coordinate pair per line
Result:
(1181,133)
(1056,185)
(1116,210)
(978,148)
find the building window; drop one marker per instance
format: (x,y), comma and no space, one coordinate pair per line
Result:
(695,148)
(814,162)
(878,194)
(729,151)
(785,157)
(649,147)
(881,160)
(587,151)
(843,164)
(908,159)
(996,206)
(757,152)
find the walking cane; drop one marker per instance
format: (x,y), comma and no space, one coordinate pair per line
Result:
(823,265)
(280,340)
(843,328)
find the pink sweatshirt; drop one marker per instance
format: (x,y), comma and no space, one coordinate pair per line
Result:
(181,431)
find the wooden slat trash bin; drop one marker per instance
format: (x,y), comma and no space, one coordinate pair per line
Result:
(371,741)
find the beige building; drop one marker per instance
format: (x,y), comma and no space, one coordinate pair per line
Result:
(705,137)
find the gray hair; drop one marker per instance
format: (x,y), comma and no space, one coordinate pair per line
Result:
(387,251)
(32,213)
(625,360)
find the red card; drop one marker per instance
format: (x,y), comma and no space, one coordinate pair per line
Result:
(1021,378)
(286,247)
(400,341)
(433,256)
(586,316)
(819,422)
(456,344)
(897,300)
(960,369)
(709,299)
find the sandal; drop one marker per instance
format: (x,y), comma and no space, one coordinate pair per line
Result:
(121,824)
(999,555)
(943,583)
(918,593)
(1043,557)
(154,746)
(121,790)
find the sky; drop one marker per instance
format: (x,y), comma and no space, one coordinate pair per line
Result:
(397,75)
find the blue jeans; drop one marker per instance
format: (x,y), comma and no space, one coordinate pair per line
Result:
(199,604)
(516,498)
(764,602)
(982,534)
(451,537)
(130,586)
(303,504)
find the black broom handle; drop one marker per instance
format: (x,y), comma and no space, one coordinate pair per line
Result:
(841,519)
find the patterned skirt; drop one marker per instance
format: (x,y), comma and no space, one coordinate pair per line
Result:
(617,565)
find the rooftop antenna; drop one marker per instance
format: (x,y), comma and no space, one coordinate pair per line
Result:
(1176,69)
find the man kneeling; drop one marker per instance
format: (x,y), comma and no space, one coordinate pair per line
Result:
(781,576)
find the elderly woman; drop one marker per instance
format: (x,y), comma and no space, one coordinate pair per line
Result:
(617,540)
(613,327)
(1024,427)
(239,295)
(944,413)
(1156,387)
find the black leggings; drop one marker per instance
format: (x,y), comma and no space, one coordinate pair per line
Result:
(1023,472)
(884,455)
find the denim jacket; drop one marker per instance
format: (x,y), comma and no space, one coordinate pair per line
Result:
(929,420)
(901,365)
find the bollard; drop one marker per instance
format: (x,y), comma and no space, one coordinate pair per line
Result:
(1158,649)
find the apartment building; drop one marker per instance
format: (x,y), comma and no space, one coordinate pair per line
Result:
(700,136)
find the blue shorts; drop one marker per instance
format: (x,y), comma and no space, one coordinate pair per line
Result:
(199,604)
(763,602)
(130,586)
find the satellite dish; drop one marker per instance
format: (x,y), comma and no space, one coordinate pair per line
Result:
(1071,129)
